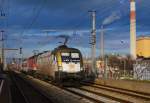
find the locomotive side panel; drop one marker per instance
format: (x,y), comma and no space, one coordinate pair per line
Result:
(53,66)
(46,65)
(42,65)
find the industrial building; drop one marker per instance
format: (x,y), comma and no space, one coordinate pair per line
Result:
(142,67)
(143,47)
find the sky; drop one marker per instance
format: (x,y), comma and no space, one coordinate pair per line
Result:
(41,24)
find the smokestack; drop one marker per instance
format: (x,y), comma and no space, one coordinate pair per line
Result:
(132,29)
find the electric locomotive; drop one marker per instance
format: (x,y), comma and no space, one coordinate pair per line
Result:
(61,64)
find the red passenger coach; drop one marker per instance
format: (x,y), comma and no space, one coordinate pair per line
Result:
(32,63)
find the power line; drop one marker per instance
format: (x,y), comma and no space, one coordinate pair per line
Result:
(34,18)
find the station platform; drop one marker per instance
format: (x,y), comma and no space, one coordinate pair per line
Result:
(20,88)
(5,95)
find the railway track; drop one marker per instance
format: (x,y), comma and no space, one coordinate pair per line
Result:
(93,98)
(106,94)
(23,92)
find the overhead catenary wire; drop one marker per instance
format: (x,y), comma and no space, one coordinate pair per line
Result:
(37,11)
(6,6)
(28,27)
(82,21)
(1,4)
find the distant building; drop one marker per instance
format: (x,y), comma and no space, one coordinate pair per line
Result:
(143,47)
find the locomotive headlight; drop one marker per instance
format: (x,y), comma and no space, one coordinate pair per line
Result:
(60,68)
(81,68)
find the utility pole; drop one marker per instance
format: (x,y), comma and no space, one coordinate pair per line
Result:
(2,48)
(124,59)
(124,69)
(102,43)
(102,51)
(21,57)
(106,67)
(2,16)
(93,42)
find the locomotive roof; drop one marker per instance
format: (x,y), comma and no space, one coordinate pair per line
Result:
(64,48)
(59,48)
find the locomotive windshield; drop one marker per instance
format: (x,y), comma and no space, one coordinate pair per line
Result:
(65,54)
(75,57)
(65,57)
(70,57)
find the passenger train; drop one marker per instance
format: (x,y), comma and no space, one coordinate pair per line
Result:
(61,64)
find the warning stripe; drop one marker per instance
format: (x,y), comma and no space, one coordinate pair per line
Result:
(132,15)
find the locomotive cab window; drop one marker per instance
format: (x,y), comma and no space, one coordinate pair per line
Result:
(65,57)
(65,54)
(75,57)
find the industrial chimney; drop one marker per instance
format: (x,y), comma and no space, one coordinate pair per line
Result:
(132,29)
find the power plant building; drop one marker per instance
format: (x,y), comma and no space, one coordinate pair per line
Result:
(142,67)
(143,46)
